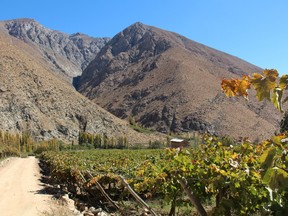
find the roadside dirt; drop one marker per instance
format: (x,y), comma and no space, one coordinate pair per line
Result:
(20,188)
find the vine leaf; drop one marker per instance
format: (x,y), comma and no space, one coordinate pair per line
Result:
(236,87)
(283,82)
(283,85)
(264,84)
(243,87)
(276,178)
(229,87)
(267,158)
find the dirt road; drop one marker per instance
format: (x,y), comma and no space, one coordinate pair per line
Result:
(19,188)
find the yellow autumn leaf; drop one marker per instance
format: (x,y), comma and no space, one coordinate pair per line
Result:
(278,139)
(272,74)
(229,87)
(283,82)
(236,87)
(243,86)
(264,84)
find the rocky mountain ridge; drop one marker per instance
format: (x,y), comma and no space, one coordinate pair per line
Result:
(170,83)
(34,99)
(160,78)
(68,55)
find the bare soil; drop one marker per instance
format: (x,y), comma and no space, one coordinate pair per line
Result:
(21,188)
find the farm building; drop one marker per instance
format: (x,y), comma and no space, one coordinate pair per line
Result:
(178,143)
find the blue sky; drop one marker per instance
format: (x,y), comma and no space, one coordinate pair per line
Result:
(254,30)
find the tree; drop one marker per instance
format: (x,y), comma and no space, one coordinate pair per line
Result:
(97,141)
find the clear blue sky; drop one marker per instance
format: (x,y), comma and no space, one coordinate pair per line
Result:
(254,30)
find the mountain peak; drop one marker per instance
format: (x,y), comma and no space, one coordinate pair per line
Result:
(137,29)
(21,20)
(168,82)
(137,25)
(26,22)
(141,38)
(68,54)
(35,101)
(78,34)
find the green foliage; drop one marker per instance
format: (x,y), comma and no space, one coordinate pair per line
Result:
(227,141)
(141,129)
(272,154)
(122,142)
(156,145)
(97,141)
(242,179)
(85,138)
(101,141)
(14,144)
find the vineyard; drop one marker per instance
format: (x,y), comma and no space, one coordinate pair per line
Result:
(214,178)
(218,176)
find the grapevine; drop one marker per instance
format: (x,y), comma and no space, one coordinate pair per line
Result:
(230,175)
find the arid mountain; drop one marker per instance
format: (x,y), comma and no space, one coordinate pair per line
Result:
(68,55)
(170,83)
(34,99)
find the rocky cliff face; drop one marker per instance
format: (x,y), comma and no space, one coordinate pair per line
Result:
(34,99)
(129,47)
(67,54)
(162,79)
(171,83)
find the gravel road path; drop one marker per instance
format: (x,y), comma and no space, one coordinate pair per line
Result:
(19,188)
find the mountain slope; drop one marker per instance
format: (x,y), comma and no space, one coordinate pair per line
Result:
(34,99)
(68,55)
(171,83)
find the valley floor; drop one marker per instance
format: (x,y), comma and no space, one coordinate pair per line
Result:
(20,188)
